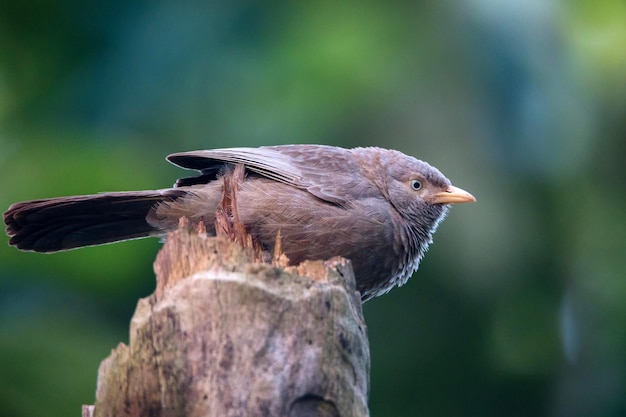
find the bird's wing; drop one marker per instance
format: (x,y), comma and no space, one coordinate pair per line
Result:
(328,172)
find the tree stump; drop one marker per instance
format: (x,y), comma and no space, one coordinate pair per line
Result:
(225,336)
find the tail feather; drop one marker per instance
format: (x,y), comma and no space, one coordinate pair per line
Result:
(57,224)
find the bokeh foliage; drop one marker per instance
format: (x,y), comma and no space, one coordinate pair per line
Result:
(520,306)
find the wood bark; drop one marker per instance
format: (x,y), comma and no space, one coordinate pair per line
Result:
(225,336)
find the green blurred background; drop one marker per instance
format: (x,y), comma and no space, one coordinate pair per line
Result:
(519,308)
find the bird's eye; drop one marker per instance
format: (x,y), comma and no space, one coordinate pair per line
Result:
(416,185)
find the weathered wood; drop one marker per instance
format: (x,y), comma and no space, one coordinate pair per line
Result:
(87,411)
(223,336)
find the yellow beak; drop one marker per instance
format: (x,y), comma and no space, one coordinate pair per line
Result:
(452,195)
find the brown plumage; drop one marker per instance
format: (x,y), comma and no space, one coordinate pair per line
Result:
(377,207)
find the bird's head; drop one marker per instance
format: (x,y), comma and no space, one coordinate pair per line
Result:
(419,192)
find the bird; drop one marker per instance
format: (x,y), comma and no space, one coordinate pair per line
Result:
(377,207)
